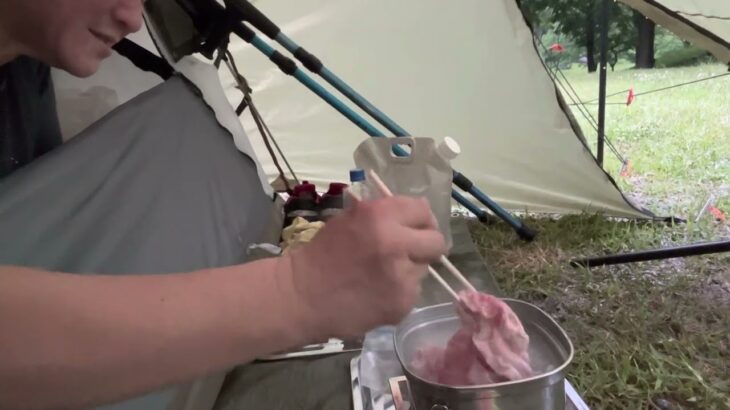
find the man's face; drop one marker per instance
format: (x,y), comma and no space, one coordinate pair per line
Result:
(74,35)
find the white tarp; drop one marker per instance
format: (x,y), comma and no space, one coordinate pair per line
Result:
(466,69)
(705,23)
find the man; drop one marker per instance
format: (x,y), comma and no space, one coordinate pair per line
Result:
(28,123)
(145,332)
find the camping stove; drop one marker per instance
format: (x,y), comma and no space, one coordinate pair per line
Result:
(402,397)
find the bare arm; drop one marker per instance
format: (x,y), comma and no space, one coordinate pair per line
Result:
(73,341)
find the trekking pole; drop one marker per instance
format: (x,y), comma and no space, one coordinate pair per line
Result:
(248,12)
(290,67)
(211,18)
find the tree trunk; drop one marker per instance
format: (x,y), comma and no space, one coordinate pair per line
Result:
(613,59)
(591,44)
(645,43)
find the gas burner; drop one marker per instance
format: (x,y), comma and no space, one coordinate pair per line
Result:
(400,395)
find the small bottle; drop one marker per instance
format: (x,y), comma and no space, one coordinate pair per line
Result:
(332,202)
(303,202)
(358,186)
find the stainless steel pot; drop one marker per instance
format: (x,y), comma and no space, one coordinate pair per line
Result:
(550,353)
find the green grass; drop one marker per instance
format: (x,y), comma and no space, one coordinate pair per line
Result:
(678,141)
(653,335)
(681,57)
(644,333)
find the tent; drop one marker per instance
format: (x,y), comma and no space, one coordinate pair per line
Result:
(705,23)
(520,144)
(469,71)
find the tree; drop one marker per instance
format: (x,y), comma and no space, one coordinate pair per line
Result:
(579,19)
(645,29)
(621,32)
(589,39)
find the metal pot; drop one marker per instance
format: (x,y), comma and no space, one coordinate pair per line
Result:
(550,353)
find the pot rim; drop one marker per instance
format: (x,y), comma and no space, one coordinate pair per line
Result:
(507,384)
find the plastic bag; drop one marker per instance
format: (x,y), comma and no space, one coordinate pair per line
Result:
(378,361)
(423,173)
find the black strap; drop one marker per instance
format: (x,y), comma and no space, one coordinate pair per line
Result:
(144,59)
(241,107)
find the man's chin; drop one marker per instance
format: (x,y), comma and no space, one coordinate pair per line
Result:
(81,67)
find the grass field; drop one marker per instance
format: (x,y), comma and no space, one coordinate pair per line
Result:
(677,141)
(652,335)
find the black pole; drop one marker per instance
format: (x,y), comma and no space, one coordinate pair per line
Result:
(602,81)
(655,254)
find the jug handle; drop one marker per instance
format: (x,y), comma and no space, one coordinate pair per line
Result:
(401,141)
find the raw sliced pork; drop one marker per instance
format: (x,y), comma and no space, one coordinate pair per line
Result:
(491,346)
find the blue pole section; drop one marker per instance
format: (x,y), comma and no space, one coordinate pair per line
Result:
(346,90)
(393,127)
(249,12)
(363,124)
(322,92)
(508,217)
(480,213)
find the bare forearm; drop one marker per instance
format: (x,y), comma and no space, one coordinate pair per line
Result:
(70,341)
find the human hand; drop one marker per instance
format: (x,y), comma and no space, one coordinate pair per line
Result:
(364,268)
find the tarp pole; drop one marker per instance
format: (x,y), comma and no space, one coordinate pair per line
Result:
(250,13)
(656,254)
(602,81)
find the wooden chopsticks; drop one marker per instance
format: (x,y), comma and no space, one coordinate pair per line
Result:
(380,185)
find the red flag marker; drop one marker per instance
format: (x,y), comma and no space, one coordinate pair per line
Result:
(630,97)
(717,213)
(626,169)
(557,48)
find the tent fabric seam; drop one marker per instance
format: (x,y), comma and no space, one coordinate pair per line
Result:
(576,128)
(699,29)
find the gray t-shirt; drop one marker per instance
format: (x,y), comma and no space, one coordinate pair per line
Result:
(28,121)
